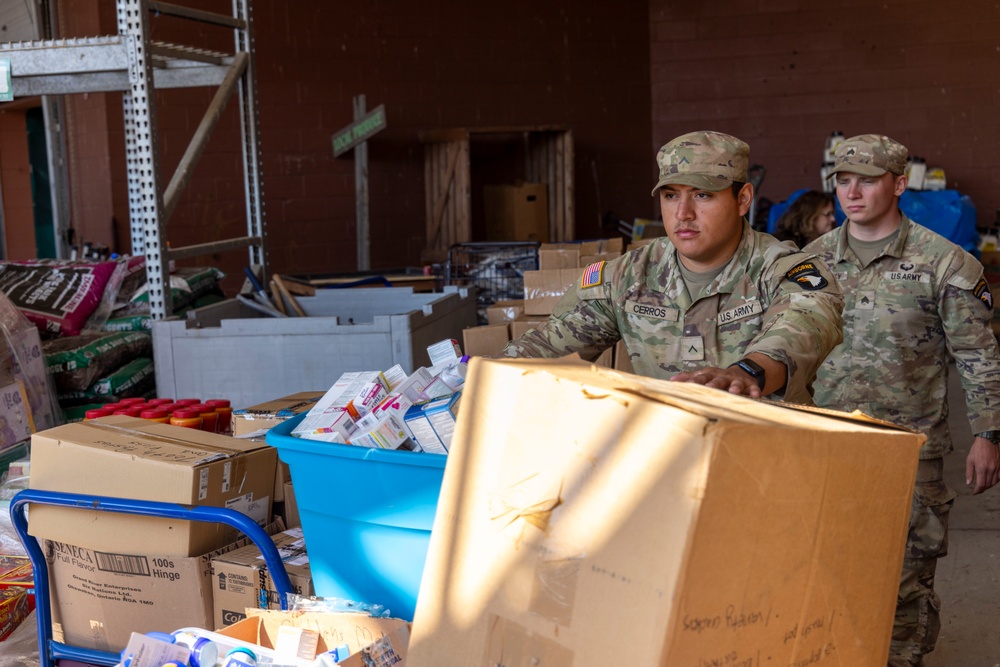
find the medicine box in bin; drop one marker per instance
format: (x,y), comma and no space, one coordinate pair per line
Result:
(227,350)
(366,516)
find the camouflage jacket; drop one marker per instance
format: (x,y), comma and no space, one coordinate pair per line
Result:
(769,299)
(921,300)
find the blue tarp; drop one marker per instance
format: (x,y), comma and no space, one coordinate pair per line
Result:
(947,212)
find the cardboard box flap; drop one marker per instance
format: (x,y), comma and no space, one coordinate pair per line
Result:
(711,403)
(289,406)
(335,629)
(140,437)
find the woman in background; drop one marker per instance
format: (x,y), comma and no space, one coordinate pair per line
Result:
(807,218)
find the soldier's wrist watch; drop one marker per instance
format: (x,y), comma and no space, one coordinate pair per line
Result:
(754,370)
(992,436)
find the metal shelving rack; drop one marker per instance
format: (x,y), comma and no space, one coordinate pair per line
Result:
(134,64)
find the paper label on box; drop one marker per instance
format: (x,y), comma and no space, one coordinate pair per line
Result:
(255,509)
(227,474)
(203,484)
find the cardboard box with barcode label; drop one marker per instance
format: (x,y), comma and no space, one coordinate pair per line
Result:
(100,597)
(667,522)
(240,579)
(138,459)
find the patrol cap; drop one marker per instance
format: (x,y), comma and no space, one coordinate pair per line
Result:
(870,155)
(705,160)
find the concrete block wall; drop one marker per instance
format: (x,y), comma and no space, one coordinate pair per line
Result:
(784,74)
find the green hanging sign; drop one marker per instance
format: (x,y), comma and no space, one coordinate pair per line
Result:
(360,130)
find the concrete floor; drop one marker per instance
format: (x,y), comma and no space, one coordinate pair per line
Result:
(968,578)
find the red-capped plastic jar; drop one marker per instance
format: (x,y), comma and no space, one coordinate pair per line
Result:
(159,401)
(134,400)
(134,410)
(94,414)
(156,415)
(225,412)
(187,401)
(186,418)
(209,417)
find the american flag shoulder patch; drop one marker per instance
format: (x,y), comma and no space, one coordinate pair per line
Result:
(593,275)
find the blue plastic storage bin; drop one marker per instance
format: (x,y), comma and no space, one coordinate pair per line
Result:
(366,516)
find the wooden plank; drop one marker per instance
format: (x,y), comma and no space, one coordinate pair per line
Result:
(463,202)
(285,294)
(440,206)
(569,207)
(279,303)
(428,191)
(558,222)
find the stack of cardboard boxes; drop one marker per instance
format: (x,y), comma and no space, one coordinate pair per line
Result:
(560,265)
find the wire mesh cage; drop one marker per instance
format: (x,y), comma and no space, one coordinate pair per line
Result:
(496,270)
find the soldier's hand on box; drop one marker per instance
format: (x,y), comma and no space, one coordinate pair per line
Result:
(730,379)
(982,466)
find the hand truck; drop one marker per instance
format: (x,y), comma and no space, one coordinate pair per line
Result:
(49,650)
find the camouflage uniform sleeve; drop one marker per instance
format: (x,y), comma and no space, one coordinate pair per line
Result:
(966,309)
(803,321)
(583,321)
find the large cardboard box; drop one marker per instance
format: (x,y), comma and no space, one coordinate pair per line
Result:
(138,459)
(525,323)
(516,212)
(543,289)
(661,524)
(487,340)
(240,578)
(504,311)
(99,598)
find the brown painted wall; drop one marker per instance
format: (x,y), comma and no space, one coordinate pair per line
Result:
(783,74)
(15,179)
(582,64)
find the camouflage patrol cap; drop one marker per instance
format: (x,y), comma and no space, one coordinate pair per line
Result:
(870,155)
(705,160)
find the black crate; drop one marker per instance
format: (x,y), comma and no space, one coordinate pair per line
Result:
(496,270)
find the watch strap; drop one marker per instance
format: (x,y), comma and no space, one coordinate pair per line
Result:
(754,370)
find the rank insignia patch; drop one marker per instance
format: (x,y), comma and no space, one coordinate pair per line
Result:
(807,276)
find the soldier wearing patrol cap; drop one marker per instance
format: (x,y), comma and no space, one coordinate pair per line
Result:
(714,302)
(912,298)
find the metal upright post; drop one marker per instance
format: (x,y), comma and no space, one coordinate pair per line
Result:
(250,126)
(361,188)
(142,154)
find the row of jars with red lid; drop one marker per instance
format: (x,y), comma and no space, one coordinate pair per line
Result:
(214,415)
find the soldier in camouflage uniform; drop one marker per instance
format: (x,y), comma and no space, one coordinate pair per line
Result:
(714,302)
(912,298)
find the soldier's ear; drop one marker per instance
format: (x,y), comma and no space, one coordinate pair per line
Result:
(745,198)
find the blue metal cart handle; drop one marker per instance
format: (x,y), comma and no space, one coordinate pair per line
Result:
(50,650)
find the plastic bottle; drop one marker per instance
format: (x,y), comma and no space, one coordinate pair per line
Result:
(916,169)
(186,418)
(156,415)
(225,411)
(240,657)
(209,417)
(204,652)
